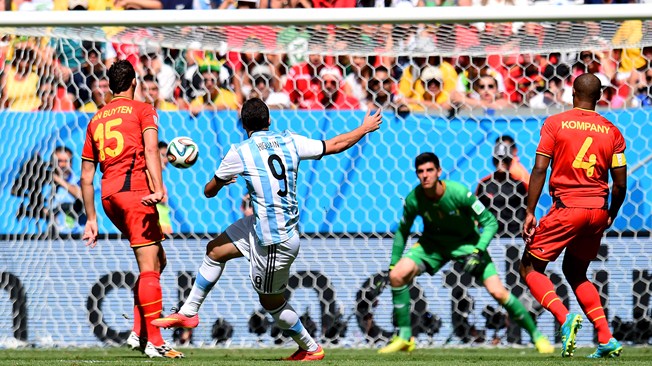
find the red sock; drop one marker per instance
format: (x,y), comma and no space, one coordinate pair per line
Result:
(544,292)
(150,302)
(589,300)
(137,313)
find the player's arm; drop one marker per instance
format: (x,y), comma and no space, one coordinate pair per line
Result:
(535,187)
(88,197)
(485,219)
(153,162)
(226,174)
(403,231)
(344,141)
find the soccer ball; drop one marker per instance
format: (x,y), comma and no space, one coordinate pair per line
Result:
(182,152)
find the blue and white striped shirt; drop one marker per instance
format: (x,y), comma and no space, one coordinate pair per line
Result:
(269,163)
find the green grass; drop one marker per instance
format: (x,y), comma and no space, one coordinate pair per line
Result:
(334,356)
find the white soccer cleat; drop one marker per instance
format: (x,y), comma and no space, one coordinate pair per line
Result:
(162,351)
(133,342)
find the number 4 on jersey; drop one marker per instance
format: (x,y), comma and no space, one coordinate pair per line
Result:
(579,162)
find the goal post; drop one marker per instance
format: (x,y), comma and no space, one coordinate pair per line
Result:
(453,80)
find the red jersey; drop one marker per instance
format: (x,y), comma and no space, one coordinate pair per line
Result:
(114,138)
(583,147)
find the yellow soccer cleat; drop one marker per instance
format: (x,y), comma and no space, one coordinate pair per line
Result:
(399,344)
(542,344)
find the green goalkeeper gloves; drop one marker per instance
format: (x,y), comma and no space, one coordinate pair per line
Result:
(474,261)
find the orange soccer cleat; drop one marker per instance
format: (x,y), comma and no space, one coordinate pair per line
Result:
(303,355)
(177,320)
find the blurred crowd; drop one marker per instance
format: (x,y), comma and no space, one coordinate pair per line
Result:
(328,67)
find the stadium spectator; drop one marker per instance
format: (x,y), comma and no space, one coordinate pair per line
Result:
(472,68)
(215,97)
(263,88)
(52,97)
(66,209)
(303,84)
(151,63)
(381,94)
(20,82)
(610,97)
(451,217)
(516,168)
(523,79)
(91,69)
(643,93)
(503,194)
(150,92)
(100,95)
(434,98)
(359,72)
(583,209)
(139,4)
(558,93)
(332,96)
(485,95)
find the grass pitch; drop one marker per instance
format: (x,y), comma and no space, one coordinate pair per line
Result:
(334,356)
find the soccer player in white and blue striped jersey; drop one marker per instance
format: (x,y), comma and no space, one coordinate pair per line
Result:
(269,239)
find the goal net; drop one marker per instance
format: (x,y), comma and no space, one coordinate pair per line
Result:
(471,85)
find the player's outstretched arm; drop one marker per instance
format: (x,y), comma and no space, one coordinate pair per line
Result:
(618,191)
(344,141)
(88,196)
(153,162)
(537,180)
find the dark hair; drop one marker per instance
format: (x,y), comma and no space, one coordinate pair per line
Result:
(162,145)
(255,115)
(65,149)
(426,157)
(121,75)
(150,77)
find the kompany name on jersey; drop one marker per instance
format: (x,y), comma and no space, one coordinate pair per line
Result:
(584,126)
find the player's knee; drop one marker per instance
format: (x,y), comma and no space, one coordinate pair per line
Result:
(500,294)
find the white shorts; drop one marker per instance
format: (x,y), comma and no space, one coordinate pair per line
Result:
(269,266)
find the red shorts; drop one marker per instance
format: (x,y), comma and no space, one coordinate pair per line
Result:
(577,229)
(136,221)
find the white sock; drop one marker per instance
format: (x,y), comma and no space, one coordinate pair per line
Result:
(287,319)
(208,274)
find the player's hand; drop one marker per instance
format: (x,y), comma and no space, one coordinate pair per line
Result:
(90,233)
(372,122)
(529,226)
(473,261)
(233,180)
(610,221)
(152,199)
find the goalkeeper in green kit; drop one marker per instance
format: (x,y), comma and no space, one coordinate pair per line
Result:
(449,212)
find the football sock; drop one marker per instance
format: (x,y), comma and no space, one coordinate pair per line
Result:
(150,301)
(288,320)
(589,300)
(208,274)
(519,313)
(137,313)
(544,292)
(402,309)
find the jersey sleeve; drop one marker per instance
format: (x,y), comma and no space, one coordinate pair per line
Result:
(618,160)
(547,140)
(148,118)
(400,238)
(485,219)
(230,166)
(309,148)
(89,152)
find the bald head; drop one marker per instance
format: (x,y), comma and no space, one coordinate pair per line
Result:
(587,90)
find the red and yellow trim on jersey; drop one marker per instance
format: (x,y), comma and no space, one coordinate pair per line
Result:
(585,110)
(618,160)
(149,128)
(88,159)
(542,154)
(146,244)
(532,254)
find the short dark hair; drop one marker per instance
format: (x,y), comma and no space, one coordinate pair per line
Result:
(255,115)
(65,149)
(150,77)
(121,75)
(426,157)
(162,145)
